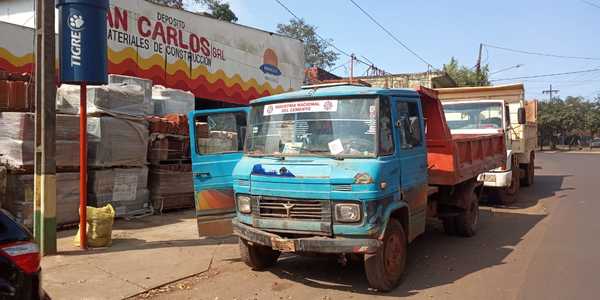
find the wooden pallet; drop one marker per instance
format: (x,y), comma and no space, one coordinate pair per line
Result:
(164,203)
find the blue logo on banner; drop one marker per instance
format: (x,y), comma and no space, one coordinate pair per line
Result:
(270,69)
(270,62)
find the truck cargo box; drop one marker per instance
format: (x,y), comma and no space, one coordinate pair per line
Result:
(453,159)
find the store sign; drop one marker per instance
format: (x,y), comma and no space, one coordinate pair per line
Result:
(214,60)
(82,51)
(300,107)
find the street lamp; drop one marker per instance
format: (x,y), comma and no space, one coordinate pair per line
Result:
(506,69)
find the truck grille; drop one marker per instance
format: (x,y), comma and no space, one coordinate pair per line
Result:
(282,208)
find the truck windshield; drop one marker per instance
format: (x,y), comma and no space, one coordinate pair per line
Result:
(328,127)
(475,115)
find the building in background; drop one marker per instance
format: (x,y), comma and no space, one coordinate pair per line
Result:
(432,79)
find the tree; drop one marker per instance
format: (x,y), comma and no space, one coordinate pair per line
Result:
(219,10)
(170,3)
(315,49)
(570,118)
(464,76)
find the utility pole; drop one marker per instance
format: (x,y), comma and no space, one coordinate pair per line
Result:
(352,57)
(478,65)
(550,92)
(45,127)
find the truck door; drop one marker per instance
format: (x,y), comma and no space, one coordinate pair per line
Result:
(413,162)
(217,141)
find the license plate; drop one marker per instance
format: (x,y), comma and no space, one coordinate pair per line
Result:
(283,245)
(489,178)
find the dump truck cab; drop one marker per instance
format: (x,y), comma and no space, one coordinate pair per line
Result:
(329,164)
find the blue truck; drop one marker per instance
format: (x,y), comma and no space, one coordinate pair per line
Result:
(340,169)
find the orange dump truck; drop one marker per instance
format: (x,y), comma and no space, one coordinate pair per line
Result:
(454,162)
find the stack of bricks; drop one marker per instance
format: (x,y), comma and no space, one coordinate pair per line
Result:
(169,139)
(17,93)
(17,131)
(171,185)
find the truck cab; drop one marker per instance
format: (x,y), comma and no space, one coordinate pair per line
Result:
(339,169)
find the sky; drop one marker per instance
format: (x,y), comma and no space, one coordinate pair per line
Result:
(439,29)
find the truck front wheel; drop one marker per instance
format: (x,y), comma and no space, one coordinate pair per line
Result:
(257,257)
(385,267)
(508,195)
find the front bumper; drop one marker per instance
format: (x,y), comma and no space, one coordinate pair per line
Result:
(496,179)
(310,244)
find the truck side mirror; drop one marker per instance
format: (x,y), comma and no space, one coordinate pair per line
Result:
(521,116)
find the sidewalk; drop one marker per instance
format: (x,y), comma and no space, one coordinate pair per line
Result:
(146,253)
(584,151)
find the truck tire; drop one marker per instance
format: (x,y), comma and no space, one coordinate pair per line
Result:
(449,225)
(529,170)
(508,195)
(257,257)
(385,267)
(467,221)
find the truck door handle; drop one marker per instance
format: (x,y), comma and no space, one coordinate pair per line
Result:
(202,174)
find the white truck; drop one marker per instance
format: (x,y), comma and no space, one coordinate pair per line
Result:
(493,109)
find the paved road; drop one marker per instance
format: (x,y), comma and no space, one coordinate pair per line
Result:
(547,246)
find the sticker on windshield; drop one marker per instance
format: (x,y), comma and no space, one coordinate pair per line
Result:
(336,147)
(301,106)
(292,148)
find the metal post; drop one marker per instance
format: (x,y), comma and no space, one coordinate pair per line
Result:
(351,68)
(83,166)
(45,164)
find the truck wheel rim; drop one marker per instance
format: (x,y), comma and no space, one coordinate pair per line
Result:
(393,254)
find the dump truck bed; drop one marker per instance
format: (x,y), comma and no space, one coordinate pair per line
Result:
(453,159)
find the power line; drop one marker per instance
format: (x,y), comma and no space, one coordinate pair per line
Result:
(540,53)
(393,36)
(319,36)
(590,3)
(329,43)
(548,75)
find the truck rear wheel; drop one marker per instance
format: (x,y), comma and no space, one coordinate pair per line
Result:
(257,257)
(449,225)
(529,170)
(385,267)
(467,221)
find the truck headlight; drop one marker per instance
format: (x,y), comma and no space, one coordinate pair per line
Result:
(347,212)
(244,204)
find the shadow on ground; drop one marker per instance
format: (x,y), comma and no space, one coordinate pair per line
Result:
(545,186)
(435,259)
